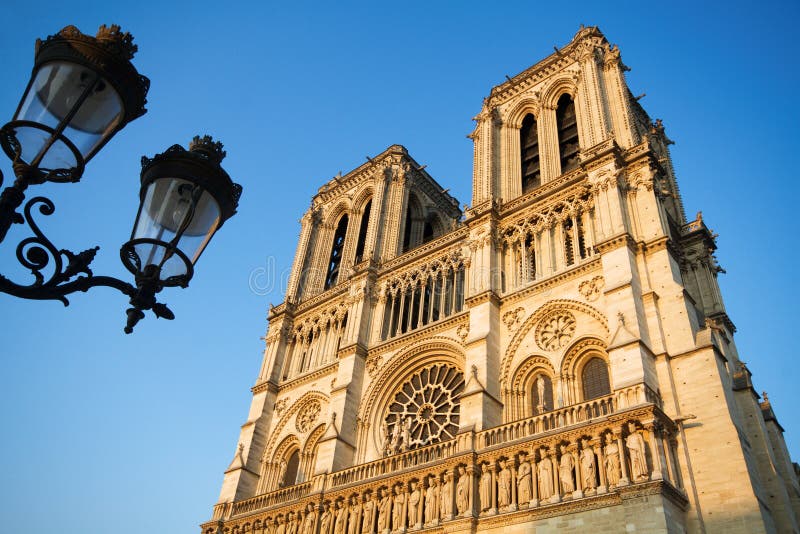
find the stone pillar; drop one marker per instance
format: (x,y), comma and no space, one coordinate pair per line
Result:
(623,462)
(556,479)
(601,464)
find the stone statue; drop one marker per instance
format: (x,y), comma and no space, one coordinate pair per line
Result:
(325,520)
(462,491)
(397,508)
(282,474)
(588,466)
(355,512)
(291,524)
(413,506)
(406,434)
(340,526)
(384,511)
(280,528)
(386,445)
(540,384)
(504,486)
(545,472)
(309,520)
(432,501)
(635,444)
(269,526)
(565,469)
(524,489)
(612,461)
(446,496)
(486,488)
(396,436)
(368,523)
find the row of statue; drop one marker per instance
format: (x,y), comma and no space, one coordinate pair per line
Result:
(540,475)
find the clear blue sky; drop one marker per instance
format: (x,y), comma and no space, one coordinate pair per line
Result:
(103,432)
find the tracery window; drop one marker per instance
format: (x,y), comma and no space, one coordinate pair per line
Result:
(529,149)
(362,232)
(567,124)
(425,409)
(594,379)
(336,253)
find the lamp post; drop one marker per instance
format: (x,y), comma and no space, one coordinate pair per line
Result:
(82,91)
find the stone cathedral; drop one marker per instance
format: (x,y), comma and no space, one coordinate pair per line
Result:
(556,357)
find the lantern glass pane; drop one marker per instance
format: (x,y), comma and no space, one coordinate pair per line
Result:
(54,96)
(179,213)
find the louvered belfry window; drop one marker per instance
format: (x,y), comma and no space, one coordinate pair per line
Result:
(567,123)
(595,379)
(336,253)
(529,146)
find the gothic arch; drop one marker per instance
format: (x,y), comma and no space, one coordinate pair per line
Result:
(528,368)
(399,368)
(275,435)
(343,206)
(562,84)
(513,118)
(361,197)
(575,355)
(532,320)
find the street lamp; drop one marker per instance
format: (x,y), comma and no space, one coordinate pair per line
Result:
(82,91)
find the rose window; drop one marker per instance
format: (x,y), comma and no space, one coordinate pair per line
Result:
(426,407)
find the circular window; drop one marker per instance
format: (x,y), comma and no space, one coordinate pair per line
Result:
(425,409)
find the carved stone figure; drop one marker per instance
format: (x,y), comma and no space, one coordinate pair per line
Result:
(355,512)
(540,384)
(432,501)
(386,445)
(325,519)
(524,488)
(503,485)
(280,528)
(269,526)
(340,526)
(635,444)
(588,466)
(611,453)
(413,506)
(446,496)
(545,473)
(406,445)
(486,488)
(565,468)
(291,524)
(309,520)
(462,491)
(396,436)
(384,511)
(368,510)
(397,508)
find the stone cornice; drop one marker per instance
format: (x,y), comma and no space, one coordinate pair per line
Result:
(266,385)
(410,338)
(422,253)
(577,271)
(545,194)
(329,369)
(616,242)
(483,297)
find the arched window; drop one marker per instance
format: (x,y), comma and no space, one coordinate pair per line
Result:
(542,394)
(594,378)
(290,473)
(336,253)
(413,219)
(529,148)
(362,232)
(567,124)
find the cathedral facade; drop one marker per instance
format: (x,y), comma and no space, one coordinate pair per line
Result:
(556,357)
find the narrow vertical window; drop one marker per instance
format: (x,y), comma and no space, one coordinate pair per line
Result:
(362,232)
(529,147)
(595,379)
(290,473)
(336,253)
(411,232)
(569,255)
(567,124)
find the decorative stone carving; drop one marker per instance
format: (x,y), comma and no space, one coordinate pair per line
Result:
(355,512)
(384,511)
(432,502)
(611,453)
(636,449)
(588,467)
(280,406)
(486,488)
(524,488)
(368,521)
(309,522)
(590,289)
(425,409)
(545,475)
(555,331)
(462,332)
(565,469)
(414,498)
(397,508)
(512,319)
(308,416)
(373,364)
(340,525)
(325,519)
(462,491)
(503,486)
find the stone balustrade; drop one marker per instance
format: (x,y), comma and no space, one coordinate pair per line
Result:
(588,451)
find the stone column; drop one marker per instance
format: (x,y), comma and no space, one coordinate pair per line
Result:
(555,473)
(655,451)
(534,480)
(623,462)
(601,464)
(578,493)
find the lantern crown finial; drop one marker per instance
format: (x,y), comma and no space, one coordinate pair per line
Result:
(207,147)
